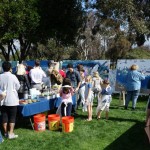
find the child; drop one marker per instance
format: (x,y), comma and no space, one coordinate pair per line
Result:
(66,93)
(89,96)
(104,99)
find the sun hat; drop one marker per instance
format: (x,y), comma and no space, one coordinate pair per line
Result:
(66,86)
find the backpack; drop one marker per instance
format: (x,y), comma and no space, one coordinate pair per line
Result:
(55,74)
(96,88)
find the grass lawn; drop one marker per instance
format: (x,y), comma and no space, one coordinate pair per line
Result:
(123,131)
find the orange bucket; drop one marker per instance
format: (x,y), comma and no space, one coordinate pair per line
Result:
(39,122)
(53,122)
(67,123)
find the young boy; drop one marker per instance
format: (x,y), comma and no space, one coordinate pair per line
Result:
(104,99)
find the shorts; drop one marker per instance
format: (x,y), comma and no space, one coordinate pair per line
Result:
(104,106)
(9,114)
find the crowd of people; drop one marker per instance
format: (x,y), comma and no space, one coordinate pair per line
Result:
(75,82)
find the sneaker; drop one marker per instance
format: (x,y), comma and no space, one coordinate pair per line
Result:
(12,136)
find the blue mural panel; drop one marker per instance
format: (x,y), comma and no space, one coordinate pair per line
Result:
(123,68)
(90,66)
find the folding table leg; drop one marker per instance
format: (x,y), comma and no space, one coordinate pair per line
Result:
(31,122)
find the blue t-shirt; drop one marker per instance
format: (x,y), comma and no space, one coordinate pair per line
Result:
(133,80)
(87,87)
(106,91)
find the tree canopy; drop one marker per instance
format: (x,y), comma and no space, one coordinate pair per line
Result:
(35,21)
(92,27)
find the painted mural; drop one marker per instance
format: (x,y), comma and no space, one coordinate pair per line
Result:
(90,66)
(13,64)
(112,78)
(122,70)
(43,64)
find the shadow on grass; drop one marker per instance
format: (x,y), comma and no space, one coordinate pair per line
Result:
(133,139)
(122,119)
(129,108)
(23,122)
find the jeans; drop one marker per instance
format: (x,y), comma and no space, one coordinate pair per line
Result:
(132,95)
(81,97)
(74,106)
(68,109)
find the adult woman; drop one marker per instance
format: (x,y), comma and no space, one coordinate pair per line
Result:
(10,84)
(133,85)
(23,79)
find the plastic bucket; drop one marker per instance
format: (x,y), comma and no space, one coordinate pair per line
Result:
(39,122)
(67,124)
(53,122)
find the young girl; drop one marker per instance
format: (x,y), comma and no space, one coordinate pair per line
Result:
(89,96)
(104,99)
(66,94)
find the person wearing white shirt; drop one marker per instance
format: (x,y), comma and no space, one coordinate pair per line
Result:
(37,74)
(10,85)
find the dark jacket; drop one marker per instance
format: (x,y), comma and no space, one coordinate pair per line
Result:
(24,83)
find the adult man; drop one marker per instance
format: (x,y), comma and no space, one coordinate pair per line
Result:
(9,84)
(74,76)
(37,74)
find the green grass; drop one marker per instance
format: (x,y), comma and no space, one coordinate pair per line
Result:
(123,131)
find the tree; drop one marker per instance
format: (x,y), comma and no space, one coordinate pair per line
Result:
(88,41)
(36,21)
(118,48)
(114,18)
(50,51)
(18,20)
(132,15)
(61,26)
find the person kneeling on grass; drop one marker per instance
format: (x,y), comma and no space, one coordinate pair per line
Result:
(104,99)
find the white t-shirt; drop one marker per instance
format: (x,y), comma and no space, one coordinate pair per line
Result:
(97,82)
(37,74)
